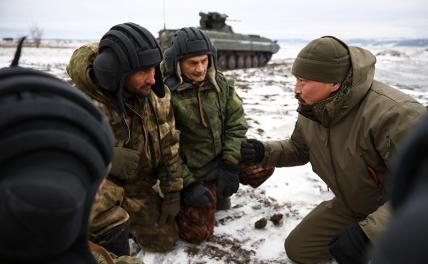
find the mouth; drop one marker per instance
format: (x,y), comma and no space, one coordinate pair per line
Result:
(145,90)
(299,99)
(199,76)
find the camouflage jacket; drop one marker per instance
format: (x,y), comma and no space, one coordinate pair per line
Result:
(102,256)
(143,132)
(211,120)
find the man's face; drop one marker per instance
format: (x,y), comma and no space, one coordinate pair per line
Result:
(310,92)
(195,68)
(140,82)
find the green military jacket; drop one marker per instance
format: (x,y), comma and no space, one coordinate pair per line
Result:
(143,127)
(350,140)
(211,120)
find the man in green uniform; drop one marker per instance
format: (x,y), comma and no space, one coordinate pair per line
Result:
(348,128)
(121,74)
(211,120)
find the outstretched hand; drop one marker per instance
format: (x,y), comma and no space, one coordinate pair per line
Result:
(252,151)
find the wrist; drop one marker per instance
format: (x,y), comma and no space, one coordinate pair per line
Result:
(224,164)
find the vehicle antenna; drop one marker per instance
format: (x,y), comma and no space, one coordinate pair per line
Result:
(164,16)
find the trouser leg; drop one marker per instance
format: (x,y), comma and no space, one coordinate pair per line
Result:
(109,222)
(144,210)
(308,242)
(223,203)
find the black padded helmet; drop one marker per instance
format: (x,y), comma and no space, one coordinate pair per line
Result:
(56,147)
(124,49)
(186,42)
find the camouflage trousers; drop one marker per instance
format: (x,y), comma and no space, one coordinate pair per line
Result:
(114,208)
(197,224)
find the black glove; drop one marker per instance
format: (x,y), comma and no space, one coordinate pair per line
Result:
(350,245)
(169,207)
(196,195)
(124,163)
(227,179)
(252,151)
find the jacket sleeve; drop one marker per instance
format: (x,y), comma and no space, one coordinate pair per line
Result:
(376,222)
(287,153)
(188,176)
(235,126)
(391,130)
(170,173)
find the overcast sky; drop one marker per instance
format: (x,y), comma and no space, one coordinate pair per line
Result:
(90,19)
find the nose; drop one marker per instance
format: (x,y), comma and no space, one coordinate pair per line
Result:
(151,76)
(297,88)
(199,67)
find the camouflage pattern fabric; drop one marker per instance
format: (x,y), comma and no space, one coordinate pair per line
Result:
(102,256)
(106,210)
(144,209)
(254,174)
(197,224)
(212,124)
(139,199)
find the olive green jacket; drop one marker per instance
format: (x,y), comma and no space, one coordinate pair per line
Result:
(143,128)
(351,143)
(211,120)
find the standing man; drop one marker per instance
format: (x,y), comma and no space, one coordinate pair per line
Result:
(211,120)
(348,129)
(122,75)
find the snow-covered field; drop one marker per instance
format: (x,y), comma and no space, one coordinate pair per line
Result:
(270,108)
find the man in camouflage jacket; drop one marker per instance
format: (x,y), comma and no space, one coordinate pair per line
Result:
(349,127)
(211,120)
(121,74)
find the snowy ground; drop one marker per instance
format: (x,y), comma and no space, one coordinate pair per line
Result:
(270,108)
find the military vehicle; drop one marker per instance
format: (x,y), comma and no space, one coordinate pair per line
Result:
(234,51)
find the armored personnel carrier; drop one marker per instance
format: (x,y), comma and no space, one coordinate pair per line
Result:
(234,50)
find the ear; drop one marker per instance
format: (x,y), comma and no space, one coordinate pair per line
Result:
(99,191)
(335,87)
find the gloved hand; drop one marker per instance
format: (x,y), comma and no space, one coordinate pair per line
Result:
(124,163)
(254,175)
(227,179)
(197,195)
(252,151)
(350,245)
(169,207)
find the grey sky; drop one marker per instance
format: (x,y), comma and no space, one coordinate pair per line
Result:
(272,18)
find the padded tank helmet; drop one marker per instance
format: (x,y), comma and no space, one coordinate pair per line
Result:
(124,49)
(55,144)
(186,42)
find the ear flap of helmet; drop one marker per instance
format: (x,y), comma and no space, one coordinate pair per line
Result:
(158,88)
(107,71)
